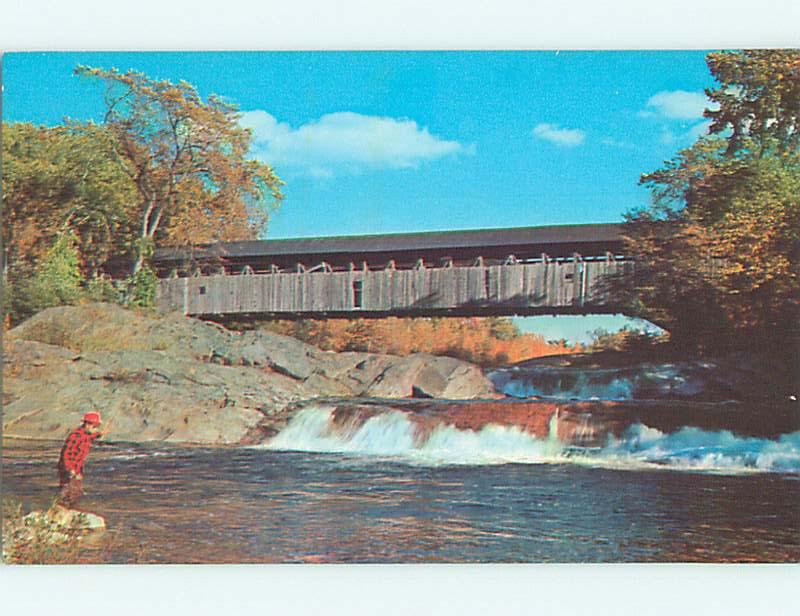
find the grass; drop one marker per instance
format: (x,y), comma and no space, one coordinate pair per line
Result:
(35,540)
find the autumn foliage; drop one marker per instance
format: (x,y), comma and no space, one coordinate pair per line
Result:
(718,252)
(83,201)
(188,159)
(482,340)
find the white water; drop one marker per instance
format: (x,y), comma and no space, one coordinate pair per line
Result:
(658,381)
(391,434)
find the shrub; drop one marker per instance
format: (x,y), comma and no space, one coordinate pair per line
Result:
(102,289)
(54,282)
(142,287)
(486,341)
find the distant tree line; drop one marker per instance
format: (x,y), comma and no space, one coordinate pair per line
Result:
(487,341)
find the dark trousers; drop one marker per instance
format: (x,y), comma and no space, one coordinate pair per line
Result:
(71,490)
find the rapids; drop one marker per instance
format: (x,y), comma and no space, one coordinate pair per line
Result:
(391,433)
(685,380)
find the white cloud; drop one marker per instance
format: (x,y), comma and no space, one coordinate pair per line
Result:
(568,137)
(616,143)
(346,141)
(676,105)
(669,137)
(698,130)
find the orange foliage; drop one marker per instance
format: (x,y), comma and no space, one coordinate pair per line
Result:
(481,340)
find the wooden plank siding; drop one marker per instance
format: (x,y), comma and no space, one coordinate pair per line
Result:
(513,288)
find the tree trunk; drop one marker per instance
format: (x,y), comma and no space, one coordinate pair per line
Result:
(145,234)
(138,262)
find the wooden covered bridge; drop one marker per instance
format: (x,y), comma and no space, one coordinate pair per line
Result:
(522,271)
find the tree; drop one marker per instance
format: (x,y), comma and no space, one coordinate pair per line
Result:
(503,328)
(759,101)
(719,249)
(55,281)
(188,161)
(59,179)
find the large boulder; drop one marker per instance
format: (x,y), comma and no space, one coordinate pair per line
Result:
(282,354)
(430,376)
(178,379)
(150,395)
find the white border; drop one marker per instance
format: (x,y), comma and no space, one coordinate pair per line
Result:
(34,25)
(408,24)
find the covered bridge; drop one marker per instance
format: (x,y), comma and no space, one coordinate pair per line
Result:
(523,270)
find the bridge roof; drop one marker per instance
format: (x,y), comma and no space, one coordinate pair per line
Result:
(561,238)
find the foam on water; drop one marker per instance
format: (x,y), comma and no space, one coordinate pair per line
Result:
(135,456)
(630,383)
(693,448)
(392,434)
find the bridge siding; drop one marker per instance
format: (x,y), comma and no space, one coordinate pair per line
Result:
(562,284)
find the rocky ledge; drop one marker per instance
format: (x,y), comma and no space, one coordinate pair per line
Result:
(177,379)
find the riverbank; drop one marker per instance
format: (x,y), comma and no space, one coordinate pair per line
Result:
(176,379)
(255,447)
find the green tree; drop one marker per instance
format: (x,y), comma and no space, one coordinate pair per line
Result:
(758,101)
(719,249)
(142,287)
(188,159)
(56,280)
(57,179)
(62,190)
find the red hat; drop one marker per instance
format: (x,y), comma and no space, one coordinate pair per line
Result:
(92,418)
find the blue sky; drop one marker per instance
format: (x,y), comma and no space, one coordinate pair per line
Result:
(379,142)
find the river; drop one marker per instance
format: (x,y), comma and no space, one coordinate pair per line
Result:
(371,487)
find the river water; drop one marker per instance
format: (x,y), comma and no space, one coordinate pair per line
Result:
(377,491)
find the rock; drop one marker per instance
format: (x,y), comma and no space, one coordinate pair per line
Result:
(285,355)
(430,376)
(62,520)
(428,383)
(462,380)
(397,379)
(179,379)
(356,370)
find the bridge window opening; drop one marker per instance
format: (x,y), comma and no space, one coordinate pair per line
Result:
(357,293)
(202,290)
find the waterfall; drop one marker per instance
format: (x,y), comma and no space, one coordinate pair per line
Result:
(396,435)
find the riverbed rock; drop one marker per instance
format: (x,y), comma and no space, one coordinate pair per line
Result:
(61,521)
(429,376)
(177,379)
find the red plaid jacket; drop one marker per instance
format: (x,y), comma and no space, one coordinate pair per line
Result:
(75,450)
